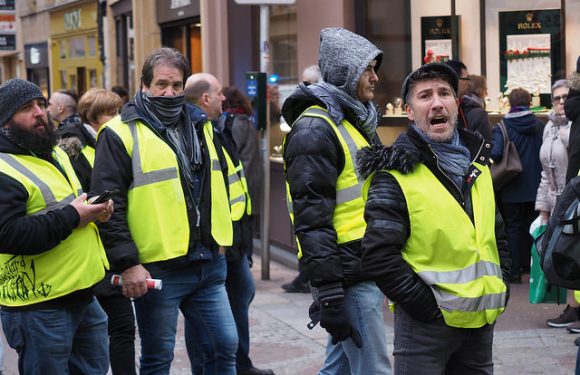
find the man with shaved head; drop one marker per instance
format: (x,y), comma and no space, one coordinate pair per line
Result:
(173,218)
(205,93)
(62,108)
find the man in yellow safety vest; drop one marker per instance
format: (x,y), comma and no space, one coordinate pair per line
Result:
(433,242)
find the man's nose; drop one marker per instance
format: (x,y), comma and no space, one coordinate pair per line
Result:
(374,77)
(38,110)
(437,102)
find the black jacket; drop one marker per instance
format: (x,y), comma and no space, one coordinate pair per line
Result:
(572,108)
(314,159)
(113,170)
(388,226)
(28,235)
(473,117)
(72,140)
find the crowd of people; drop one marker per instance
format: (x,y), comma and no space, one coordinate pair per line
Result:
(181,167)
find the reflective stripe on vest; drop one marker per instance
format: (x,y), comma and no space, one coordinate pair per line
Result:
(31,279)
(236,188)
(348,219)
(456,258)
(89,153)
(221,222)
(155,197)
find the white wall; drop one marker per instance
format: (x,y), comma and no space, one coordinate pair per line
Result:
(470,48)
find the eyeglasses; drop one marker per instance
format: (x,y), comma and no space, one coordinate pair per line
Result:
(556,99)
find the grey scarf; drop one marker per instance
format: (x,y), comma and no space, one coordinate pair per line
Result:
(166,109)
(453,157)
(367,115)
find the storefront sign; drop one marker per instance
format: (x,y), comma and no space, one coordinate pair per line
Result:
(72,20)
(437,39)
(36,55)
(530,50)
(7,42)
(8,5)
(174,10)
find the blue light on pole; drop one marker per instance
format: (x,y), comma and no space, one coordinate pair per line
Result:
(273,78)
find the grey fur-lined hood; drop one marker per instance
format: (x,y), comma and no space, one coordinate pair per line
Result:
(574,81)
(72,146)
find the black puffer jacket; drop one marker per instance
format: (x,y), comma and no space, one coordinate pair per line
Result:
(387,217)
(474,118)
(572,108)
(314,159)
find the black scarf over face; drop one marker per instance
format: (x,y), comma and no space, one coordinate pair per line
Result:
(41,144)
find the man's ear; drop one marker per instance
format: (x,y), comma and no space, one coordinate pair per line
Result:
(409,111)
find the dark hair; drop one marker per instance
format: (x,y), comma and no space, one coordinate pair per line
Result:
(519,98)
(235,99)
(456,65)
(428,72)
(163,56)
(120,90)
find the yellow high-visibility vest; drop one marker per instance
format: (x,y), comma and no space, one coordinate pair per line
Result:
(156,211)
(348,219)
(456,257)
(76,263)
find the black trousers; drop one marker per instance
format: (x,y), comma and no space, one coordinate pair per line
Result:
(121,331)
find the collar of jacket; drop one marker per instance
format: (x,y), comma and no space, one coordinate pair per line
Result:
(410,149)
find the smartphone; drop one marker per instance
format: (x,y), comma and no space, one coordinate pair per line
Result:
(105,196)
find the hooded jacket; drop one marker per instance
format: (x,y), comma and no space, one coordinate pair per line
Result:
(526,133)
(473,117)
(572,109)
(388,222)
(113,170)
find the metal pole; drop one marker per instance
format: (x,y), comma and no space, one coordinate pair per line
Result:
(265,144)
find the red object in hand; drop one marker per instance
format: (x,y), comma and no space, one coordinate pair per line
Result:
(156,284)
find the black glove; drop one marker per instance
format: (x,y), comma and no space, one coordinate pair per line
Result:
(335,319)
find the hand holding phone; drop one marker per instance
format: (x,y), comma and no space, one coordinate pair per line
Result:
(105,196)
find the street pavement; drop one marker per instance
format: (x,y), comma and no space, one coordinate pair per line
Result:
(280,341)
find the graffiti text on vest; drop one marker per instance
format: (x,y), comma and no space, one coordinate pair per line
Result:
(18,280)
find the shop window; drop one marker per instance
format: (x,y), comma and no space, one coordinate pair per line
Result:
(63,80)
(92,42)
(73,82)
(283,43)
(62,47)
(76,47)
(92,78)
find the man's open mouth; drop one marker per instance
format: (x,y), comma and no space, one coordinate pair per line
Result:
(438,120)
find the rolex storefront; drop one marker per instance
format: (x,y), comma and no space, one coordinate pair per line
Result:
(75,52)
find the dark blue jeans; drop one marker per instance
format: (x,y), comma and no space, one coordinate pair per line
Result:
(59,341)
(198,290)
(241,290)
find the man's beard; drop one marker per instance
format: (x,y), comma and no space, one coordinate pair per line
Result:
(32,140)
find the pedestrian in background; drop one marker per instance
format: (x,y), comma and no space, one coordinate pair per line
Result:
(51,253)
(554,159)
(517,198)
(330,121)
(473,115)
(431,241)
(62,108)
(173,215)
(205,92)
(238,118)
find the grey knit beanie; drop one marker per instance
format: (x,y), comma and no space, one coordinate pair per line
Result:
(15,93)
(343,57)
